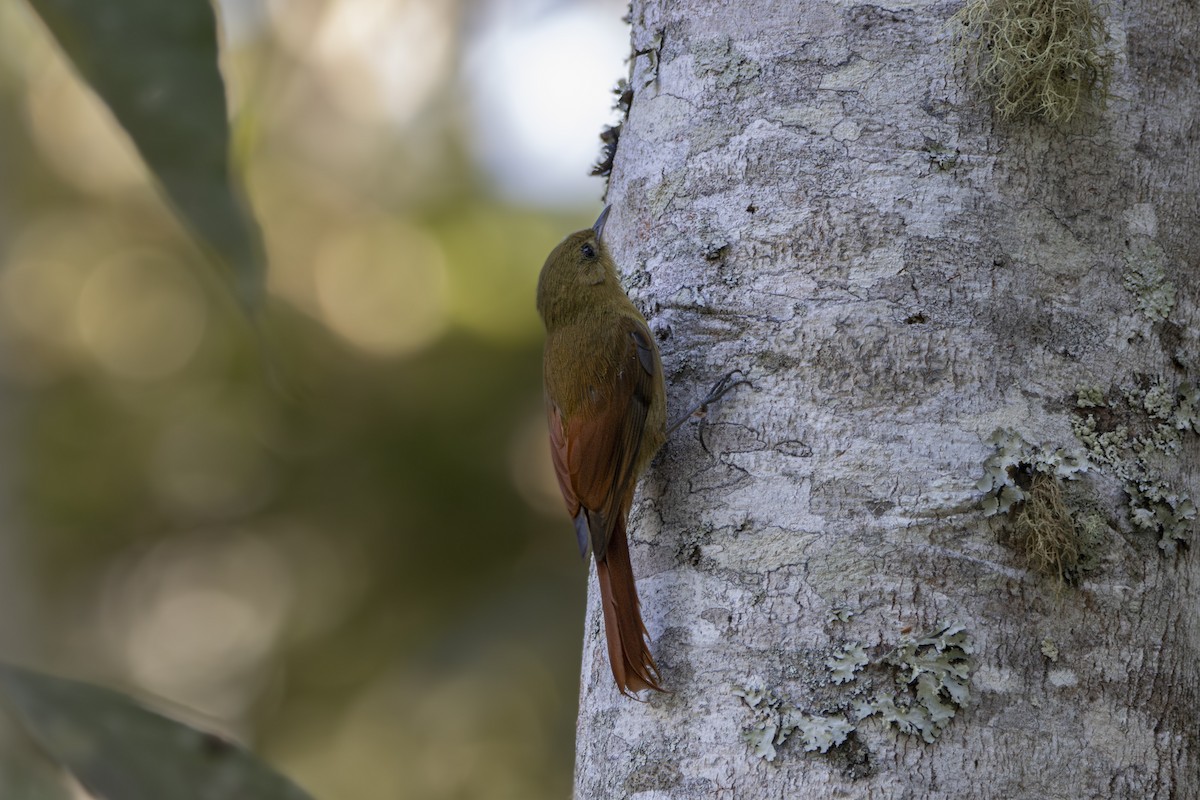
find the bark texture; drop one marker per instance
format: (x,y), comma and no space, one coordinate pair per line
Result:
(805,191)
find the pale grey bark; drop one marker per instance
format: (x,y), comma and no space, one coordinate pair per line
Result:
(804,191)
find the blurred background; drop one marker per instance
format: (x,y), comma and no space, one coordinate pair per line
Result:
(366,574)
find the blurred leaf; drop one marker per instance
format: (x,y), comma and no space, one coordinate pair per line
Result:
(26,773)
(121,751)
(155,64)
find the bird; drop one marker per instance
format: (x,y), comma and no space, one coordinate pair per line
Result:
(605,403)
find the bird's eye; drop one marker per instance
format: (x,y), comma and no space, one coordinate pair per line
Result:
(587,250)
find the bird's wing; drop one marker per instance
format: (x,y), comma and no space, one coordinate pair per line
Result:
(558,457)
(601,443)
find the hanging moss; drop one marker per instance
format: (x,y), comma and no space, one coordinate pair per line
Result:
(1044,59)
(1044,531)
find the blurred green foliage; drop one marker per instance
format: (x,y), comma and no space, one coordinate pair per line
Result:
(349,554)
(156,67)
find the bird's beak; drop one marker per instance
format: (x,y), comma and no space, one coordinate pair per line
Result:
(599,226)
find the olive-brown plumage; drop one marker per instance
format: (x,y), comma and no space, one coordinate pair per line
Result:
(606,409)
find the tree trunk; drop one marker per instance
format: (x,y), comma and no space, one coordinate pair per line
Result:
(938,548)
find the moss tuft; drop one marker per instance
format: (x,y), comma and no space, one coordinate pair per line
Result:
(1044,531)
(1035,58)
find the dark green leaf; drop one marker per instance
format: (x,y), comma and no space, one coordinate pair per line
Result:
(154,62)
(119,750)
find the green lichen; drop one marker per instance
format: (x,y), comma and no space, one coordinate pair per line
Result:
(763,732)
(934,673)
(818,732)
(1158,509)
(1089,397)
(1094,535)
(844,664)
(1146,279)
(840,614)
(719,58)
(775,721)
(1008,471)
(1044,59)
(1128,435)
(940,155)
(1187,409)
(918,686)
(1049,649)
(1159,401)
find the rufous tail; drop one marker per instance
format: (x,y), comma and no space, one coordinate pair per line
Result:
(633,666)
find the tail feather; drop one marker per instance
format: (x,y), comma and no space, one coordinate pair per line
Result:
(628,651)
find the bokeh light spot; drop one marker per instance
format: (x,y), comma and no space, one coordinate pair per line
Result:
(141,314)
(47,265)
(40,297)
(372,56)
(196,617)
(382,287)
